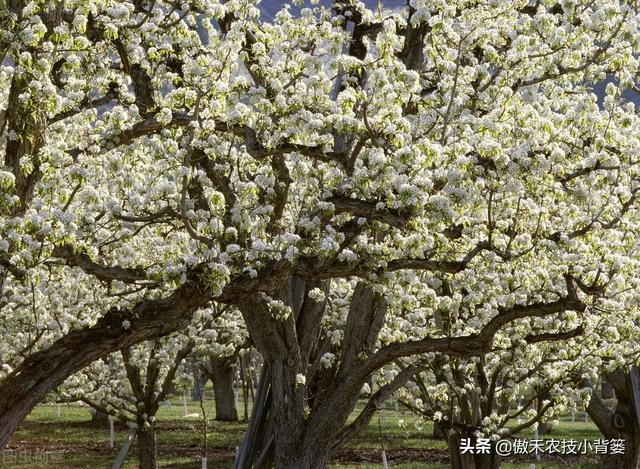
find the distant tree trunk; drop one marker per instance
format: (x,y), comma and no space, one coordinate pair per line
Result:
(147,450)
(199,382)
(223,371)
(438,431)
(99,418)
(544,428)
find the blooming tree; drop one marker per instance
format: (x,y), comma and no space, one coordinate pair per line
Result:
(217,360)
(133,384)
(501,394)
(169,154)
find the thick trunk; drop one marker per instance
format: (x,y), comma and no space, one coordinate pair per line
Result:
(459,460)
(288,407)
(223,371)
(620,423)
(308,462)
(21,392)
(468,460)
(147,451)
(486,461)
(289,347)
(629,460)
(43,371)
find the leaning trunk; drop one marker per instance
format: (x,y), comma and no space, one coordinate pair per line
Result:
(223,371)
(23,390)
(147,451)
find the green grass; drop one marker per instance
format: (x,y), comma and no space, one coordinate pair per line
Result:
(71,441)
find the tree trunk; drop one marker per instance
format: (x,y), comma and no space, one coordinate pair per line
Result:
(458,459)
(99,418)
(545,428)
(607,390)
(468,460)
(147,451)
(223,371)
(486,461)
(198,386)
(620,423)
(306,438)
(288,407)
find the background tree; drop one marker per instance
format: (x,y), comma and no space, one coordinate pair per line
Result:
(133,384)
(499,395)
(217,361)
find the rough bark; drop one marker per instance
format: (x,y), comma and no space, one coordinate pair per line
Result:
(468,460)
(618,423)
(147,448)
(458,459)
(285,346)
(222,375)
(607,390)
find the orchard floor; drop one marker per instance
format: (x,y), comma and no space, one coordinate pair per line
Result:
(72,441)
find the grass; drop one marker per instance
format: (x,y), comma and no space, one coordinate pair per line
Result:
(46,440)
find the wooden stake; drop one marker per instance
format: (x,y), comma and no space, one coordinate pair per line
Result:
(245,390)
(384,460)
(112,433)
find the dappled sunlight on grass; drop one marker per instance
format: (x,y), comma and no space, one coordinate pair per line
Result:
(71,440)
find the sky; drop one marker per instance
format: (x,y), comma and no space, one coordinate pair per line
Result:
(271,7)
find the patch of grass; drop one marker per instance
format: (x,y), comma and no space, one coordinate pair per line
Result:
(72,441)
(395,466)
